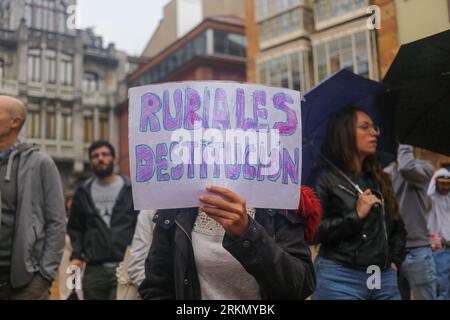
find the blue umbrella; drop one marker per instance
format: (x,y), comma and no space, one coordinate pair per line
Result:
(335,92)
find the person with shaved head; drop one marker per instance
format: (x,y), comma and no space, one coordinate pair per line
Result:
(32,213)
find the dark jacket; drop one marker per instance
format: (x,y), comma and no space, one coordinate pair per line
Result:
(92,240)
(344,237)
(273,251)
(39,232)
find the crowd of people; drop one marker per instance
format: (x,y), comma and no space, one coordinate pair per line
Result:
(356,214)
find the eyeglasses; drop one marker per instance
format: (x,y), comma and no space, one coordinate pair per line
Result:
(100,154)
(366,127)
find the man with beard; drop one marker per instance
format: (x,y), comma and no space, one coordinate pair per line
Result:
(439,226)
(101,224)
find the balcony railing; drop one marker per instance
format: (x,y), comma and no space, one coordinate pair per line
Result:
(9,87)
(64,150)
(95,98)
(8,35)
(100,54)
(66,93)
(35,89)
(51,91)
(332,12)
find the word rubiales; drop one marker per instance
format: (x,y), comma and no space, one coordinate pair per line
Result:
(189,110)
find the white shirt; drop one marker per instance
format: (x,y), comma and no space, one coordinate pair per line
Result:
(221,276)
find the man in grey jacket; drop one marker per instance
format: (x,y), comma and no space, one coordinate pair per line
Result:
(410,178)
(32,215)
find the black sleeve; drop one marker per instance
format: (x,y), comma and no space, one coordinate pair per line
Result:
(159,278)
(282,265)
(397,242)
(76,226)
(336,223)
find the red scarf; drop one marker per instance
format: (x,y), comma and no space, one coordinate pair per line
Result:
(310,208)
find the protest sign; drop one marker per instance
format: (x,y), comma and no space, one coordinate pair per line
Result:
(186,136)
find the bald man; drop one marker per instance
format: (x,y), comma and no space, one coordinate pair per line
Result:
(32,214)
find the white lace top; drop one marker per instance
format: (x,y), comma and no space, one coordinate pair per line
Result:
(208,226)
(221,276)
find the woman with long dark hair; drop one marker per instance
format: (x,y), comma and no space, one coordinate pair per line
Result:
(361,235)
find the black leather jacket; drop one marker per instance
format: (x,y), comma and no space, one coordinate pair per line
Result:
(344,237)
(273,251)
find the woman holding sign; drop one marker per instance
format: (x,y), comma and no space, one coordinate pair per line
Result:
(362,235)
(225,250)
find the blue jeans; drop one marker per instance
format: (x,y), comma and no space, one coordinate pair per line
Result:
(336,282)
(420,272)
(442,260)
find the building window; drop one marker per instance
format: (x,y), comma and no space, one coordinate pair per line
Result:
(67,125)
(322,9)
(50,125)
(346,53)
(34,65)
(62,17)
(360,4)
(262,73)
(88,129)
(28,14)
(90,82)
(283,24)
(321,60)
(279,5)
(285,71)
(295,71)
(335,61)
(349,52)
(335,8)
(327,9)
(49,15)
(66,70)
(265,8)
(362,54)
(196,47)
(50,62)
(34,124)
(232,44)
(130,67)
(104,125)
(279,76)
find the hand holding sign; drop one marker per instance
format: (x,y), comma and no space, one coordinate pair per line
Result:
(230,210)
